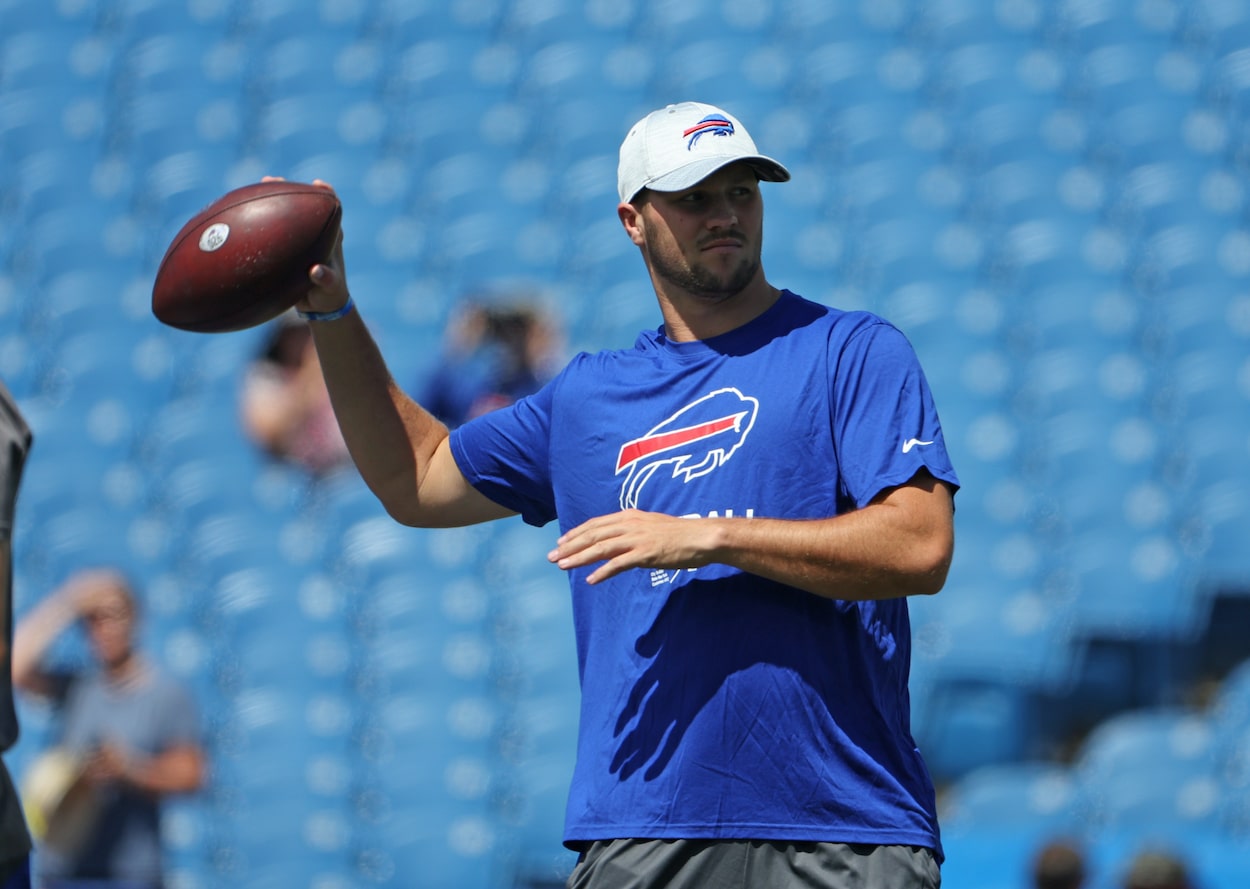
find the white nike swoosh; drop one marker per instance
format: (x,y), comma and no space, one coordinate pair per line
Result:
(912,442)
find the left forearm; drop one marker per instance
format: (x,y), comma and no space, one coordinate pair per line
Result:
(862,555)
(898,545)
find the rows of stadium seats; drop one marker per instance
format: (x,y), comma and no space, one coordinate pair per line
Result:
(1167,776)
(1046,198)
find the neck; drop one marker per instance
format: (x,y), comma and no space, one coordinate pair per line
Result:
(689,317)
(125,671)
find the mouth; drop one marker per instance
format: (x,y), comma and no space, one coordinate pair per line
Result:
(721,245)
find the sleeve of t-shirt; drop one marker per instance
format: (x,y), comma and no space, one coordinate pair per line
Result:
(886,426)
(505,455)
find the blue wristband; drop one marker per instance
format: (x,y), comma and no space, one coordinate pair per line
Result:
(328,316)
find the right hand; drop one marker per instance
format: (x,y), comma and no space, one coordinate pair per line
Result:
(87,589)
(327,291)
(329,282)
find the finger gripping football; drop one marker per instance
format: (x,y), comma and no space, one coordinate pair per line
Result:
(244,259)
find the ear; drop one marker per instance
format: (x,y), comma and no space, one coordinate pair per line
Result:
(631,219)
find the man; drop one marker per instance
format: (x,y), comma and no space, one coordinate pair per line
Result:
(745,499)
(15,439)
(131,731)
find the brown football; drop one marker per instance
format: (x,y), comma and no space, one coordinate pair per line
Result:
(244,259)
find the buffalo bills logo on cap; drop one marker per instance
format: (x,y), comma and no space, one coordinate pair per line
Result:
(716,124)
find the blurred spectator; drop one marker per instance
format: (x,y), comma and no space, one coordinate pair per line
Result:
(1157,869)
(129,737)
(497,351)
(1060,864)
(15,845)
(285,405)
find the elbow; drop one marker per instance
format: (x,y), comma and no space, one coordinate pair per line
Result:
(399,497)
(930,566)
(404,512)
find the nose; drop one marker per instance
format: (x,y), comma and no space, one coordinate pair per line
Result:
(721,213)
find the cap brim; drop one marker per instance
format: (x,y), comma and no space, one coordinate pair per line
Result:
(696,171)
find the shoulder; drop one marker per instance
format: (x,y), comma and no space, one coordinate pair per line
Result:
(798,311)
(587,368)
(166,689)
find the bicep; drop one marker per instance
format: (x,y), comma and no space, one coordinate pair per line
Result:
(921,512)
(923,500)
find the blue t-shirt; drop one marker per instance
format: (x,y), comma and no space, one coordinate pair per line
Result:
(716,703)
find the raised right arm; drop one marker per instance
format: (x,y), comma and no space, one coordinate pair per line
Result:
(400,449)
(35,633)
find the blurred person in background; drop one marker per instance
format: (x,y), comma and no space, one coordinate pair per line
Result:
(284,406)
(1059,864)
(15,842)
(1157,869)
(129,737)
(497,350)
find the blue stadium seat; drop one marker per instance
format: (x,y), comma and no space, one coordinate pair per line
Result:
(315,62)
(1227,90)
(23,16)
(1171,746)
(806,24)
(172,58)
(1133,585)
(70,306)
(1154,197)
(994,629)
(1218,522)
(529,24)
(1020,189)
(998,133)
(90,534)
(97,372)
(154,124)
(1035,795)
(966,23)
(993,858)
(1143,132)
(970,722)
(38,142)
(61,237)
(1231,707)
(447,848)
(969,75)
(1119,73)
(40,56)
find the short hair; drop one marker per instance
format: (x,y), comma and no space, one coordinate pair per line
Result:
(1060,864)
(1156,869)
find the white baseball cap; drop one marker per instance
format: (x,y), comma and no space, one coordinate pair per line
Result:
(680,145)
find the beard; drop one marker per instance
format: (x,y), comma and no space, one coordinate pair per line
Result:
(698,278)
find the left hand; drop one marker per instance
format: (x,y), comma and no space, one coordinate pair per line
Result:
(108,764)
(635,539)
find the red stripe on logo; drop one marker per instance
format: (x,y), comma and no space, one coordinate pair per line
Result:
(706,124)
(635,450)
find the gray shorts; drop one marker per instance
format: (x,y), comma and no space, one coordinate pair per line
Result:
(752,864)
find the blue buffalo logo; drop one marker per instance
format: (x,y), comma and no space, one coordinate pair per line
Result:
(716,124)
(696,440)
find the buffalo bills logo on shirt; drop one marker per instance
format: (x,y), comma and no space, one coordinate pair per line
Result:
(694,441)
(715,124)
